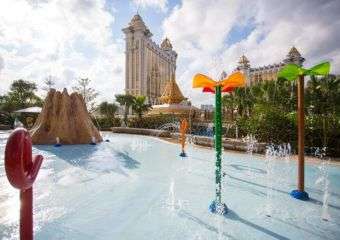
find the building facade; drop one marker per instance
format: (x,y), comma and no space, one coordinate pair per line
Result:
(269,72)
(148,66)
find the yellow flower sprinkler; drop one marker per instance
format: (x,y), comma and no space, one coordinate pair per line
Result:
(225,85)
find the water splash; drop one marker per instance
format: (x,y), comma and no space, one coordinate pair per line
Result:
(323,181)
(17,123)
(270,155)
(251,147)
(171,127)
(171,201)
(273,153)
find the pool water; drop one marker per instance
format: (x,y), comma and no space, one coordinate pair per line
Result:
(137,187)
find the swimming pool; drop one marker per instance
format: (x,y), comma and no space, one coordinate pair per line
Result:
(137,187)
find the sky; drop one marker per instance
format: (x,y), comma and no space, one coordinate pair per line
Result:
(72,39)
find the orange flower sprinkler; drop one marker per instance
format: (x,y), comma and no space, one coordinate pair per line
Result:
(225,85)
(183,130)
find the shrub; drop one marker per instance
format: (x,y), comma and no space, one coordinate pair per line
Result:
(323,131)
(104,123)
(268,124)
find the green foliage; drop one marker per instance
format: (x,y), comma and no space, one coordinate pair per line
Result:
(105,123)
(280,93)
(139,106)
(323,130)
(125,100)
(108,109)
(323,95)
(21,95)
(89,94)
(6,118)
(271,114)
(268,124)
(153,121)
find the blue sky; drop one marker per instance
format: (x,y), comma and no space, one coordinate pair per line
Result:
(68,39)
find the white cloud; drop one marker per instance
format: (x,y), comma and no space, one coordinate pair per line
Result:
(199,32)
(2,64)
(158,4)
(66,39)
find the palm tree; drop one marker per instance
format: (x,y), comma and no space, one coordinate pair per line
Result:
(244,101)
(108,109)
(323,93)
(229,103)
(139,106)
(125,100)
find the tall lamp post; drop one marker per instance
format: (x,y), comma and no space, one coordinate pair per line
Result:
(225,85)
(292,72)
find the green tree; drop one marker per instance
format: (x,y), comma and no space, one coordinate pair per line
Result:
(125,100)
(108,109)
(323,95)
(322,99)
(89,94)
(229,103)
(139,106)
(49,83)
(21,95)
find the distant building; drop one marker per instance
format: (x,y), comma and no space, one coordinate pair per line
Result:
(207,107)
(148,66)
(173,102)
(268,72)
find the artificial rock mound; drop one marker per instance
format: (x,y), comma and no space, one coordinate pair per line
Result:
(64,116)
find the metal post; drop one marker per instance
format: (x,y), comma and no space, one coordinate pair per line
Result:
(21,170)
(217,206)
(301,134)
(26,214)
(300,192)
(218,143)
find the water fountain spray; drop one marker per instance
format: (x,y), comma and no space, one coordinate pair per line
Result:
(227,84)
(57,142)
(93,141)
(324,182)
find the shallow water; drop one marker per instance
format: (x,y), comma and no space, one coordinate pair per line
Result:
(137,187)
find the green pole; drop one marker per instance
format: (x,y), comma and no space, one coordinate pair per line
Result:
(218,142)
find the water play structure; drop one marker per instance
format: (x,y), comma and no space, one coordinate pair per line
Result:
(64,116)
(22,169)
(183,130)
(224,85)
(292,72)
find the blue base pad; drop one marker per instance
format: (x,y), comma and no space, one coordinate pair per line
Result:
(183,154)
(57,145)
(301,195)
(219,208)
